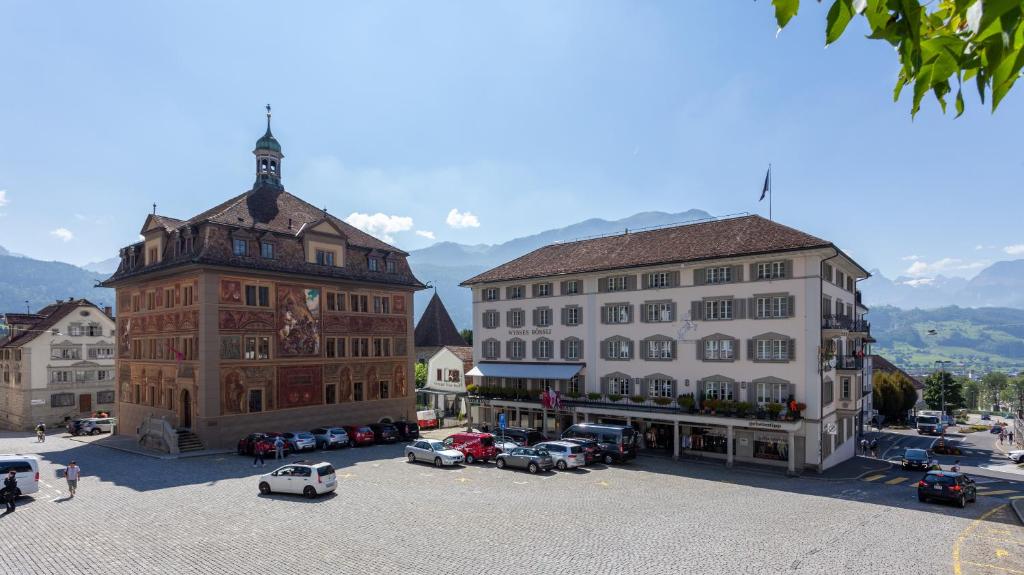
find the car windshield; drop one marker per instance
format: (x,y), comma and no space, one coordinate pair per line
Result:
(336,431)
(487,441)
(365,430)
(942,479)
(928,419)
(304,435)
(916,454)
(436,445)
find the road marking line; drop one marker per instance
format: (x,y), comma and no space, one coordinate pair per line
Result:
(463,479)
(602,483)
(990,566)
(999,492)
(1000,553)
(982,487)
(873,477)
(897,480)
(957,569)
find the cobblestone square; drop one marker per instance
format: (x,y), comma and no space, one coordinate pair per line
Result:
(135,514)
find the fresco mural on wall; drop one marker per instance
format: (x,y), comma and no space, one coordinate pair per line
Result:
(230,291)
(299,386)
(233,392)
(298,320)
(231,347)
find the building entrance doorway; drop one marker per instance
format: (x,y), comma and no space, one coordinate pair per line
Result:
(185,414)
(85,403)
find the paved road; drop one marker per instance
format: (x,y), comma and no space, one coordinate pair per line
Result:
(204,515)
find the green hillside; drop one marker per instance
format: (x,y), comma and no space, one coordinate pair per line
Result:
(981,339)
(42,283)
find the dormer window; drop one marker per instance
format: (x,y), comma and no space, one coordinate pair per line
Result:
(374,265)
(392,266)
(241,247)
(267,250)
(324,258)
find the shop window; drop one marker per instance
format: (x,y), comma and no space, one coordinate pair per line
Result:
(357,391)
(385,391)
(331,395)
(768,447)
(255,400)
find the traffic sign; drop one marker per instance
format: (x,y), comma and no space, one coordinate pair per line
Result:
(501,421)
(832,429)
(38,402)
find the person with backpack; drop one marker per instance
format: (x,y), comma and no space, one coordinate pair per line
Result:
(41,432)
(10,490)
(71,474)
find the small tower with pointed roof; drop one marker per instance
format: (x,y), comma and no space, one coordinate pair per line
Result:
(268,158)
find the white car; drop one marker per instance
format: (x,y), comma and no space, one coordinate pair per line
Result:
(1016,456)
(26,469)
(434,451)
(566,455)
(97,425)
(302,477)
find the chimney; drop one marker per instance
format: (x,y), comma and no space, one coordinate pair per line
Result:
(108,311)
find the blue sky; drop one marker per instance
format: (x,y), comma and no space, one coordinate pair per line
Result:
(525,115)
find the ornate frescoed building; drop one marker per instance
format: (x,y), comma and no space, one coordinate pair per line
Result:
(262,313)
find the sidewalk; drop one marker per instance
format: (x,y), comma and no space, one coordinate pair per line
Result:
(131,445)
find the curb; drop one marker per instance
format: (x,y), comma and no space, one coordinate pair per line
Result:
(1018,507)
(160,456)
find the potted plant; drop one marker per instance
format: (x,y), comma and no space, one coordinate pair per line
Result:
(774,409)
(594,396)
(743,408)
(711,405)
(686,402)
(471,388)
(637,398)
(662,401)
(573,395)
(614,397)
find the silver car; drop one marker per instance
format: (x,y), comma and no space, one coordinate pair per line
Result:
(300,440)
(432,450)
(96,425)
(330,437)
(529,458)
(565,454)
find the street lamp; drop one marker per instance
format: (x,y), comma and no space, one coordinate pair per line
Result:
(942,387)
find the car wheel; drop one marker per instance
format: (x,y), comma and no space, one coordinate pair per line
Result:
(94,432)
(309,492)
(922,498)
(962,502)
(533,468)
(411,458)
(437,462)
(500,463)
(561,466)
(608,460)
(470,459)
(351,442)
(264,488)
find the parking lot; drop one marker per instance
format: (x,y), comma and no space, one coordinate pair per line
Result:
(135,514)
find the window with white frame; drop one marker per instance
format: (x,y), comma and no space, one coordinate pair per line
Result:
(61,376)
(845,388)
(771,392)
(544,349)
(657,279)
(544,316)
(660,387)
(572,316)
(573,386)
(572,349)
(517,348)
(617,283)
(619,385)
(492,348)
(718,275)
(491,294)
(771,270)
(717,390)
(491,319)
(715,309)
(658,312)
(618,349)
(572,287)
(772,306)
(515,292)
(617,313)
(719,349)
(515,318)
(659,349)
(543,290)
(772,349)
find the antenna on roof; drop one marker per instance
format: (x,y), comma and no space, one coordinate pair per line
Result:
(154,208)
(27,309)
(626,232)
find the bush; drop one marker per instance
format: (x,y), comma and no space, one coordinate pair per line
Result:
(637,398)
(471,388)
(614,397)
(662,401)
(594,396)
(573,395)
(685,401)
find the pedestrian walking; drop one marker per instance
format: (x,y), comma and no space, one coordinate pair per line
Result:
(279,448)
(10,490)
(257,455)
(933,465)
(1009,435)
(72,473)
(874,448)
(1002,435)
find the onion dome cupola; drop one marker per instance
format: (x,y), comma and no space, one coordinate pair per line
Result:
(268,158)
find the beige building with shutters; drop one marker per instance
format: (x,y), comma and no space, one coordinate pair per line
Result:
(736,339)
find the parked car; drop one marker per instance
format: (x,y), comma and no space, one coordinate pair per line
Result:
(74,426)
(914,459)
(26,471)
(996,429)
(300,440)
(617,442)
(303,477)
(407,430)
(591,449)
(330,437)
(475,446)
(96,425)
(986,417)
(528,458)
(358,435)
(262,442)
(384,432)
(505,445)
(565,454)
(947,486)
(1017,456)
(433,450)
(521,435)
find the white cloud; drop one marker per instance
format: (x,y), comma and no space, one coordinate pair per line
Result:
(947,265)
(80,217)
(919,282)
(1014,250)
(910,258)
(63,233)
(425,234)
(3,198)
(457,219)
(380,225)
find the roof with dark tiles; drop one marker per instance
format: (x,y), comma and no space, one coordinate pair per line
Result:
(740,236)
(879,363)
(40,322)
(436,327)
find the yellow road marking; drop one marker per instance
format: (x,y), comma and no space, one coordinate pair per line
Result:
(999,492)
(990,566)
(957,568)
(1000,553)
(462,479)
(602,483)
(897,480)
(873,477)
(982,487)
(346,475)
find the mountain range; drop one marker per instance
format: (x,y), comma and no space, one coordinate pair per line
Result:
(999,285)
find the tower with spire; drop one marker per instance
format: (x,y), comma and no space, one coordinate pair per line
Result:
(268,158)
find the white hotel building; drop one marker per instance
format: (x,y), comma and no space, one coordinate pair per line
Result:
(745,316)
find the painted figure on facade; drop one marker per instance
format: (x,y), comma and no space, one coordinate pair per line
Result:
(299,318)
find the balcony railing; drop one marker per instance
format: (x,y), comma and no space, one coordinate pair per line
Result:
(851,362)
(846,323)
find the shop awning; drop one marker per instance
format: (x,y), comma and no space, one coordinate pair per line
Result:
(526,370)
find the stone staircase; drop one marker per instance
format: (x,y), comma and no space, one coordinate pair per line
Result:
(188,441)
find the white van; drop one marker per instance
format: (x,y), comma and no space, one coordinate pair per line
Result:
(27,469)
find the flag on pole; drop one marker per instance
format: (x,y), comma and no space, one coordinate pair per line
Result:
(767,180)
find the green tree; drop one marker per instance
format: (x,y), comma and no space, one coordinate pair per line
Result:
(937,42)
(893,395)
(972,393)
(467,334)
(421,374)
(942,387)
(993,383)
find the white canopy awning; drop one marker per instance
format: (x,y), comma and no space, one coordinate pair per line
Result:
(526,370)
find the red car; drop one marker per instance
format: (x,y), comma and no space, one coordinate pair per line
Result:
(263,442)
(474,446)
(359,435)
(591,450)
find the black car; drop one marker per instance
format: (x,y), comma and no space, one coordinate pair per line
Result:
(74,426)
(407,430)
(384,433)
(914,459)
(947,486)
(592,449)
(617,442)
(520,435)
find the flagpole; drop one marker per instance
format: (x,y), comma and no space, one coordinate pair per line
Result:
(770,192)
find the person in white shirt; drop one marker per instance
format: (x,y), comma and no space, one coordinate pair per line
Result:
(72,473)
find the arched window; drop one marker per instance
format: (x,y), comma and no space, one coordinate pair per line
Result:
(263,166)
(273,167)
